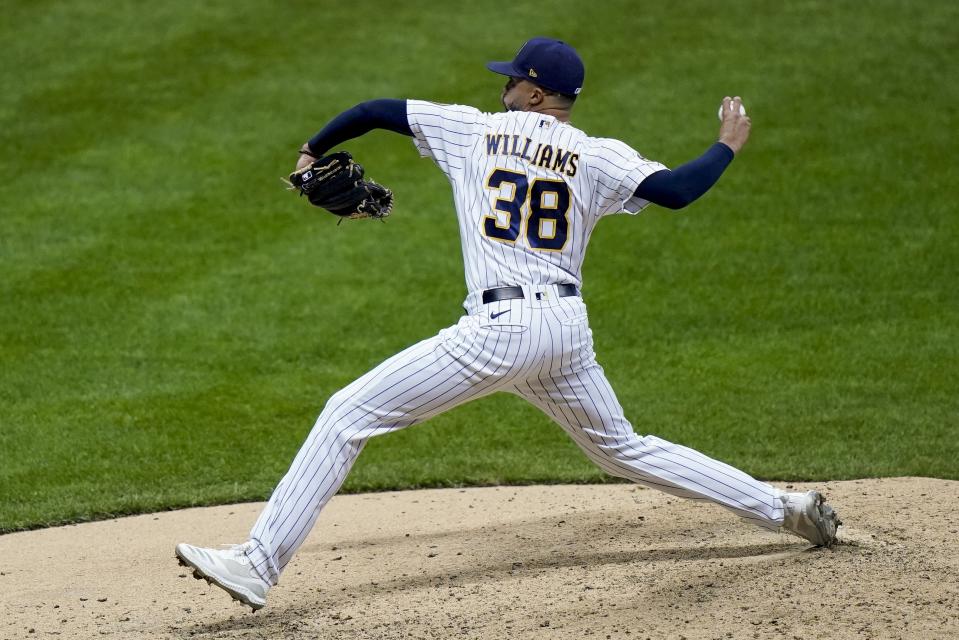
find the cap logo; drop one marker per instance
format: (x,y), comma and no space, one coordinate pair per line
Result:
(532,73)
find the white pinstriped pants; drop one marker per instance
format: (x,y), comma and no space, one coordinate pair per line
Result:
(539,349)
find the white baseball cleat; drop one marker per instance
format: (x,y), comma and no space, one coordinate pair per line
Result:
(229,569)
(808,516)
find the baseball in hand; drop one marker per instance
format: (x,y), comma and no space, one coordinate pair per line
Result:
(742,111)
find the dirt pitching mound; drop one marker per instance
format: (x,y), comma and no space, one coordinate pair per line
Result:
(613,561)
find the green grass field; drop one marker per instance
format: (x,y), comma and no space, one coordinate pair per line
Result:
(171,321)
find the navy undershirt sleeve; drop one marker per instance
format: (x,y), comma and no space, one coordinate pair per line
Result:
(374,114)
(677,188)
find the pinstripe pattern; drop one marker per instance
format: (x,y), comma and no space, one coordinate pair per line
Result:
(454,137)
(539,347)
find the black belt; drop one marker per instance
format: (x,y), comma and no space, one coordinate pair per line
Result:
(511,293)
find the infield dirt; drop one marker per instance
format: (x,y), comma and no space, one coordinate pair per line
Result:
(611,561)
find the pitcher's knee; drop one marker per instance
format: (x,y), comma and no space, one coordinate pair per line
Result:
(345,436)
(625,447)
(341,403)
(338,435)
(350,424)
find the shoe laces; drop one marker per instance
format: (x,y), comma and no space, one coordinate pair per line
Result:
(239,550)
(792,502)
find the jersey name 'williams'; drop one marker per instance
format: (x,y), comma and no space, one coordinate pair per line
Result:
(544,155)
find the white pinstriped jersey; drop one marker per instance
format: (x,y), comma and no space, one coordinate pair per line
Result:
(528,189)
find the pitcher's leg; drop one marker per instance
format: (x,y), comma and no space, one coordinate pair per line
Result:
(584,404)
(414,385)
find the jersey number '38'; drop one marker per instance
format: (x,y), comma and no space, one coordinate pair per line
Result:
(547,225)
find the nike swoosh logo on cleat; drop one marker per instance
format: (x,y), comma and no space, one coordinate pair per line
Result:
(494,316)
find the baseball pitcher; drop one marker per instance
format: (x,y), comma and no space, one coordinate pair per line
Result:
(528,188)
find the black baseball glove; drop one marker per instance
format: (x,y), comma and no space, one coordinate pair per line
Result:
(335,183)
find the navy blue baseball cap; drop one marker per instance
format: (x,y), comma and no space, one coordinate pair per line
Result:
(550,63)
